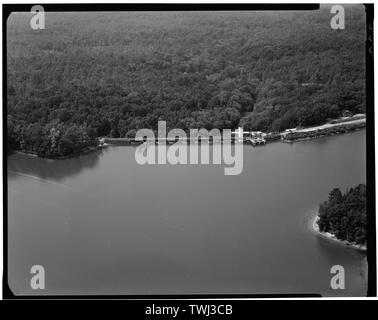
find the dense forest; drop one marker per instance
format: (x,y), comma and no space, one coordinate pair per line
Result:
(344,215)
(88,75)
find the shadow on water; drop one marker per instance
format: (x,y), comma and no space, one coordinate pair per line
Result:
(51,169)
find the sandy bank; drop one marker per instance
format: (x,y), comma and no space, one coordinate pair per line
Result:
(314,226)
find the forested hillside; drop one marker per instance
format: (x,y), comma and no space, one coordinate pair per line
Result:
(108,74)
(344,215)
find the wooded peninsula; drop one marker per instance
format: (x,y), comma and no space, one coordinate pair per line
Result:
(344,215)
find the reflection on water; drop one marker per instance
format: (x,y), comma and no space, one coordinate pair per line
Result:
(49,169)
(102,224)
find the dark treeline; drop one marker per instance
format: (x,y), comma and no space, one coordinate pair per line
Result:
(344,215)
(108,74)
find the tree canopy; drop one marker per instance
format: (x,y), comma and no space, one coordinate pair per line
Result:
(110,73)
(344,215)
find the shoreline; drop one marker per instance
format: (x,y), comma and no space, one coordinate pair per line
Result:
(100,146)
(69,156)
(331,237)
(322,136)
(325,132)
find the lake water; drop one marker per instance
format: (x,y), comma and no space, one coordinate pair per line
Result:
(102,224)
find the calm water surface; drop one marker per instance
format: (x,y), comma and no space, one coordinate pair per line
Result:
(102,224)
